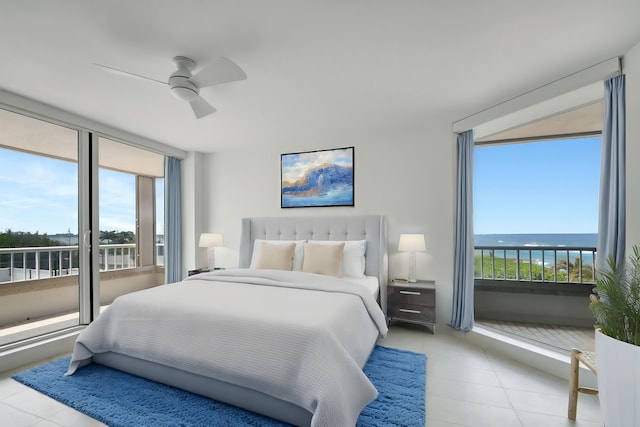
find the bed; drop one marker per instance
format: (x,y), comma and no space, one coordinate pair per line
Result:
(287,344)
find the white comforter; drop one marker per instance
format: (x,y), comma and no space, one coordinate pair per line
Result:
(291,335)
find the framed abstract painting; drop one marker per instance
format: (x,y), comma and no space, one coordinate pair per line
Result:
(317,178)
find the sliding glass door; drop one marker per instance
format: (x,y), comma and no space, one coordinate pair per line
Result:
(128,207)
(39,252)
(79,221)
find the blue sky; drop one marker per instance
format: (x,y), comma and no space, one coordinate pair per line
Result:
(41,194)
(539,187)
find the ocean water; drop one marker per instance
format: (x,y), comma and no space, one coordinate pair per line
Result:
(335,197)
(533,241)
(556,240)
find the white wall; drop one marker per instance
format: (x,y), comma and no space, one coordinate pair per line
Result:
(631,68)
(408,178)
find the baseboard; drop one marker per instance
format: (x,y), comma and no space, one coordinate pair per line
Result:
(545,359)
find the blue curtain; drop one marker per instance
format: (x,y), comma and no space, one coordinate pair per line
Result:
(172,220)
(462,310)
(611,215)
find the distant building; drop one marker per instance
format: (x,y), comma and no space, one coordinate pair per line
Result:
(65,239)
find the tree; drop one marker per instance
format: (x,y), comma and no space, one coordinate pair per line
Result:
(108,236)
(21,239)
(572,270)
(117,237)
(124,237)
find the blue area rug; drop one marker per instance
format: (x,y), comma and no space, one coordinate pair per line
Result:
(120,399)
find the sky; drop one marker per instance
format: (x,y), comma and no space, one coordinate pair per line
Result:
(538,187)
(41,194)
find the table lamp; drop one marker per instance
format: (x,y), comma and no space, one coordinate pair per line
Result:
(210,241)
(411,243)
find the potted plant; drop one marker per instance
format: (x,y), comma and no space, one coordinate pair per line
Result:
(617,313)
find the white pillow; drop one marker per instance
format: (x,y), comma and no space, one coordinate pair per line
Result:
(276,257)
(298,254)
(353,261)
(323,259)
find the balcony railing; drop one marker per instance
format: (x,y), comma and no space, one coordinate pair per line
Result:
(19,264)
(544,264)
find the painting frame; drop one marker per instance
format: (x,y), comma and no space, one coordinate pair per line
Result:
(318,178)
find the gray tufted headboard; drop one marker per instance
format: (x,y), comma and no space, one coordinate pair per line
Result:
(372,228)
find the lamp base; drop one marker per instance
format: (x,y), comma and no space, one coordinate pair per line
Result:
(211,258)
(412,267)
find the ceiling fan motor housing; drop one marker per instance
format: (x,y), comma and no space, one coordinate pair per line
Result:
(180,81)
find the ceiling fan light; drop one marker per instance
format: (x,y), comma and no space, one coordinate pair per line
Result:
(184,93)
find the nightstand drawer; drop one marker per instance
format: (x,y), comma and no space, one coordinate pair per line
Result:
(413,296)
(413,312)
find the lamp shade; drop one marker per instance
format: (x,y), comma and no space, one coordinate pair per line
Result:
(411,243)
(210,240)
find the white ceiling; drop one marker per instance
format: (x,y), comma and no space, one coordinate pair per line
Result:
(320,71)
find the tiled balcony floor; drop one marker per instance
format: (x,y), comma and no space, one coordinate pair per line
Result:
(559,337)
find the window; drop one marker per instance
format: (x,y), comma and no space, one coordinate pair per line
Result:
(535,223)
(44,287)
(540,200)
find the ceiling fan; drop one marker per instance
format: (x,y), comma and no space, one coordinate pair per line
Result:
(186,86)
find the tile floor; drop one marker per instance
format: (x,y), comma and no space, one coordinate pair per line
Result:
(466,386)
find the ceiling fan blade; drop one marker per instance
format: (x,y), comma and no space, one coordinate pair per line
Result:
(222,70)
(201,107)
(127,74)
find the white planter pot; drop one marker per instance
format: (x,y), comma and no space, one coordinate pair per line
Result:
(618,365)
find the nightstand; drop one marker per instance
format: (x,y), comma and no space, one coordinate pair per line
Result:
(197,271)
(413,302)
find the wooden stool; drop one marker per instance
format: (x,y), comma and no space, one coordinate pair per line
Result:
(588,358)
